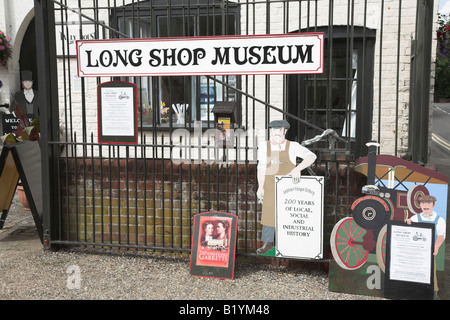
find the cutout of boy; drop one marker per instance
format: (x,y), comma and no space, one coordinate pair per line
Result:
(427,203)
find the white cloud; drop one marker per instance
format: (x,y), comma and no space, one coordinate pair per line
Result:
(445,8)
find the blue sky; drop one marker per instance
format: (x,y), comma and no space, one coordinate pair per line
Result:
(444,7)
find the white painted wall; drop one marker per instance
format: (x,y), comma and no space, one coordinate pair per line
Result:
(16,15)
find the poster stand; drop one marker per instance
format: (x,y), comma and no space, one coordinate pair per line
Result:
(214,245)
(409,261)
(21,161)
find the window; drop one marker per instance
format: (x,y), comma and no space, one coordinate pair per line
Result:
(159,96)
(341,98)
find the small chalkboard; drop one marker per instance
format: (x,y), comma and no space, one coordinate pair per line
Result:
(117,112)
(10,122)
(409,261)
(214,245)
(22,161)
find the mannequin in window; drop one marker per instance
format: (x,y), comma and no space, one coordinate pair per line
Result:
(27,98)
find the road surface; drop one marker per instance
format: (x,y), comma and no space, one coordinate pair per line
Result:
(440,144)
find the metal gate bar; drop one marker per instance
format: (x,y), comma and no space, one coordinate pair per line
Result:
(176,192)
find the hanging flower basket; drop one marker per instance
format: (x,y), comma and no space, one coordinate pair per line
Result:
(5,49)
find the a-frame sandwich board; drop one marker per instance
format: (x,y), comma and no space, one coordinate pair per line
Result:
(21,161)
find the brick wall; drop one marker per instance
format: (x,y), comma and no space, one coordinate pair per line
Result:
(151,203)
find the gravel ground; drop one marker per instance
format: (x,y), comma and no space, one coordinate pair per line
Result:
(30,273)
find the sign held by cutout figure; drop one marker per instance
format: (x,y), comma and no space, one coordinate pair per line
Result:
(299,210)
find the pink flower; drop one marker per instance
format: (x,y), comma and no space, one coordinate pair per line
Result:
(2,48)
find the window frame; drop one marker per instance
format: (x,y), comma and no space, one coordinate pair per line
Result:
(364,41)
(152,12)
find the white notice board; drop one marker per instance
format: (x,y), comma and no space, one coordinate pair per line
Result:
(299,217)
(411,253)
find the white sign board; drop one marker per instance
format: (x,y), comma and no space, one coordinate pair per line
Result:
(118,112)
(292,53)
(411,250)
(299,217)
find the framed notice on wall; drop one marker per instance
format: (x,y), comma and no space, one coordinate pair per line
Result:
(409,261)
(299,217)
(214,245)
(117,112)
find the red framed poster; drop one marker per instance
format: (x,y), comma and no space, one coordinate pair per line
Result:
(214,245)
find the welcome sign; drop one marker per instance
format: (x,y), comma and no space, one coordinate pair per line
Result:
(294,53)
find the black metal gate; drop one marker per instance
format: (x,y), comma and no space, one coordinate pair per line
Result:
(137,196)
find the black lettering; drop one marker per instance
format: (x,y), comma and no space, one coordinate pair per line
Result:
(302,55)
(236,55)
(222,58)
(254,58)
(267,55)
(169,56)
(121,57)
(89,64)
(184,58)
(199,53)
(155,60)
(137,53)
(281,56)
(106,58)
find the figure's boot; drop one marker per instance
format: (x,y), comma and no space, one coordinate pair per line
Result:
(265,248)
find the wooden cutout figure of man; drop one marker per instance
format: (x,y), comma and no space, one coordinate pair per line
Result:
(277,157)
(27,98)
(427,215)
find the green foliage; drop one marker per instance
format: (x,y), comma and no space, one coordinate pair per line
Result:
(442,84)
(442,81)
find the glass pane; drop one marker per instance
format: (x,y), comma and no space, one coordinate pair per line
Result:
(333,112)
(196,94)
(174,94)
(145,115)
(180,26)
(212,25)
(208,93)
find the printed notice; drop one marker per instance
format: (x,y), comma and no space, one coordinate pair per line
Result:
(411,252)
(117,111)
(299,214)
